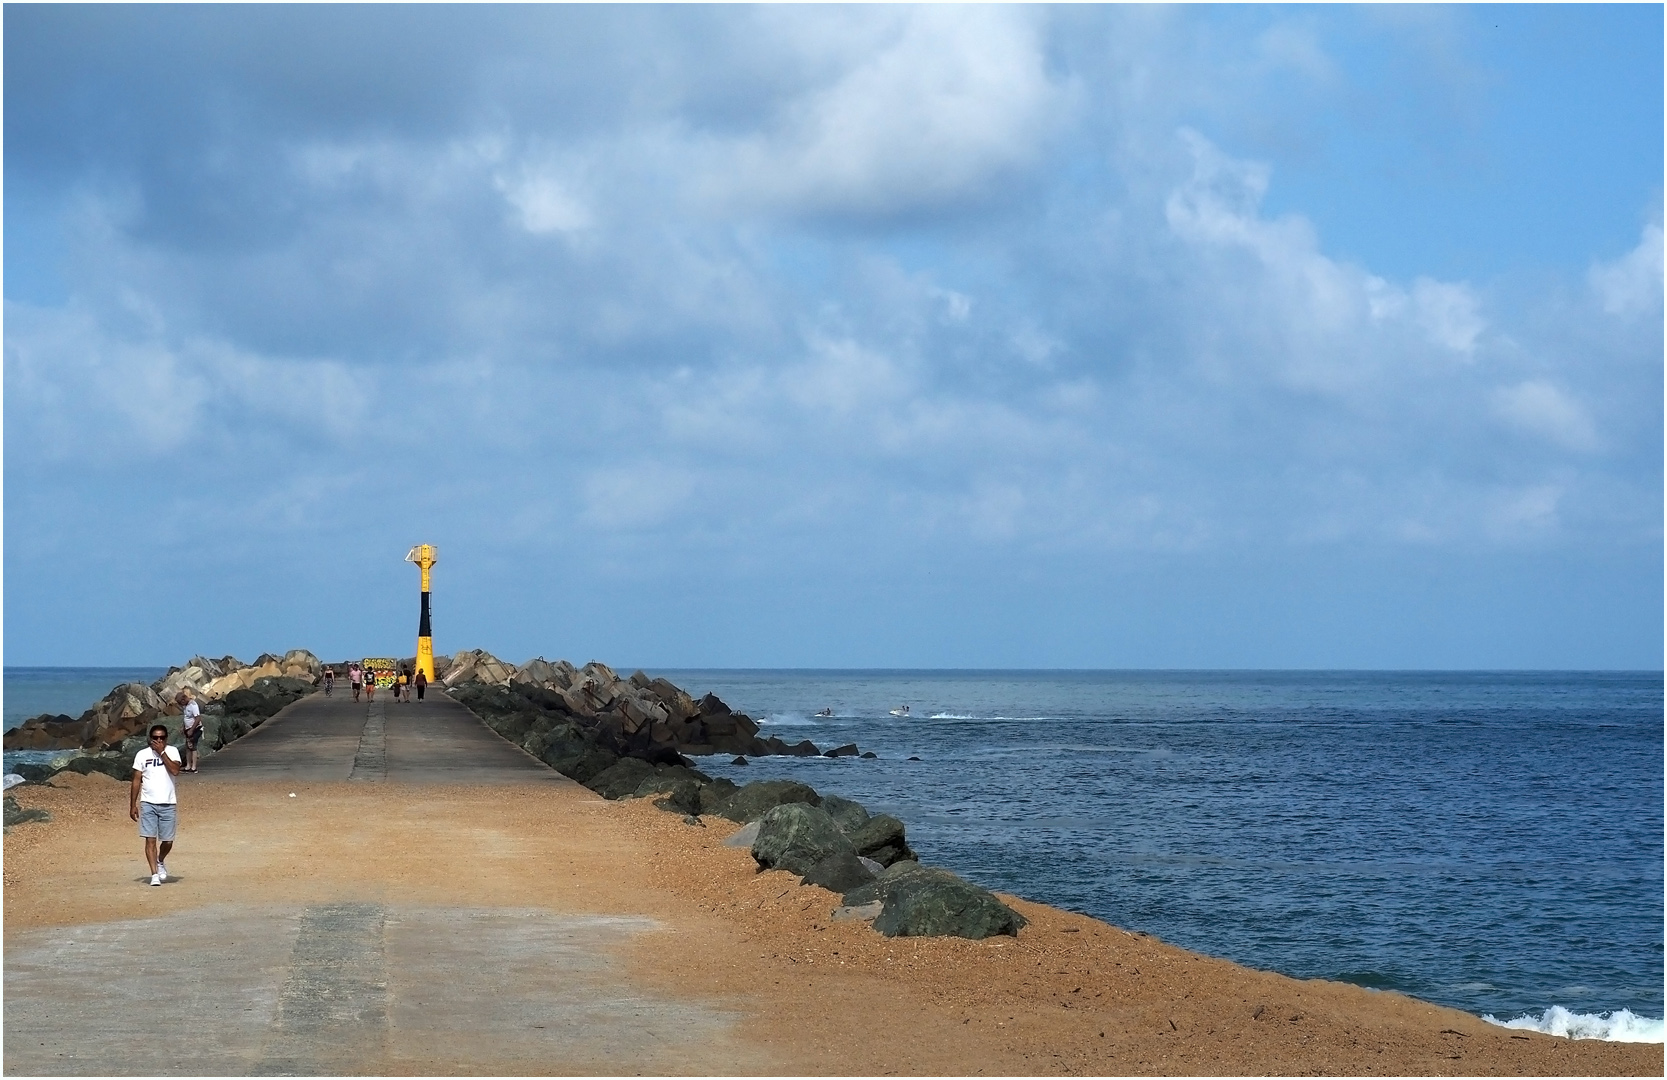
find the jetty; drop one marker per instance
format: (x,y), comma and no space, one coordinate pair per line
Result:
(393,888)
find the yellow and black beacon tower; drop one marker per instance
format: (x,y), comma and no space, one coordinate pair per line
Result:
(425,556)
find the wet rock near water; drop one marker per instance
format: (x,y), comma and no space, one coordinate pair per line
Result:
(923,901)
(753,801)
(639,717)
(833,843)
(798,836)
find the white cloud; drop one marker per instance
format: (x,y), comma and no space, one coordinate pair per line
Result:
(1633,283)
(544,204)
(102,395)
(1324,324)
(1448,314)
(951,98)
(1542,409)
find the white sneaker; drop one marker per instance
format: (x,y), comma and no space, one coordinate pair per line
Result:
(162,871)
(156,879)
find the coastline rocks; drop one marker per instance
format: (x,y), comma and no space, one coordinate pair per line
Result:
(754,800)
(881,838)
(118,766)
(840,872)
(918,901)
(743,837)
(848,815)
(715,795)
(797,836)
(635,717)
(680,796)
(264,697)
(235,697)
(622,778)
(46,732)
(477,665)
(17,815)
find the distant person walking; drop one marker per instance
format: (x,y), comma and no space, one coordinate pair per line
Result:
(329,680)
(192,730)
(402,689)
(356,677)
(153,802)
(370,685)
(422,683)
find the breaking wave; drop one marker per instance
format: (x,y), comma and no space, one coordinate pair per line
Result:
(1618,1026)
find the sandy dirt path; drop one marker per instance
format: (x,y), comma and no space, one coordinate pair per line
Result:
(537,928)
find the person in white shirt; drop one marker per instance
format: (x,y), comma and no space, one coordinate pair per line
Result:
(152,801)
(193,729)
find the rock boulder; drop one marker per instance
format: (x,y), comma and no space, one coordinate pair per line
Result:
(918,901)
(754,800)
(797,836)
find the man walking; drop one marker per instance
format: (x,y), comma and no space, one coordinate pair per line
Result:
(191,727)
(152,801)
(356,677)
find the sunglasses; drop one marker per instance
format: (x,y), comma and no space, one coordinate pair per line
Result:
(164,738)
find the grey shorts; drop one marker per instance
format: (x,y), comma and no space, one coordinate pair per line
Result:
(157,819)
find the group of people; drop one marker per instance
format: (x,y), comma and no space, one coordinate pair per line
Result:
(365,681)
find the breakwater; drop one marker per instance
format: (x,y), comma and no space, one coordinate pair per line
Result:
(621,737)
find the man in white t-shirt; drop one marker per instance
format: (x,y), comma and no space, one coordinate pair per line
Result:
(152,802)
(192,730)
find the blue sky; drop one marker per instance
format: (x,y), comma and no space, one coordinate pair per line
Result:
(837,337)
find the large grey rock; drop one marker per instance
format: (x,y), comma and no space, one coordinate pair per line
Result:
(301,664)
(680,797)
(743,837)
(119,766)
(266,696)
(564,747)
(881,838)
(917,901)
(621,779)
(847,814)
(713,796)
(754,800)
(537,671)
(797,836)
(839,872)
(861,913)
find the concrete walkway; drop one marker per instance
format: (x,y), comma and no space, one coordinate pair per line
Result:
(363,926)
(320,738)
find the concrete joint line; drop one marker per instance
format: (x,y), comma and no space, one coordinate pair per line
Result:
(371,761)
(333,1008)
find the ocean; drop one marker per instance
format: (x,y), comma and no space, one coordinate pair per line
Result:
(1486,840)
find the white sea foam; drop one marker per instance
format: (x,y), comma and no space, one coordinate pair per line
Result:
(788,719)
(1618,1026)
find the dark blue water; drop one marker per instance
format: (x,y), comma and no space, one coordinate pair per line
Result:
(1490,841)
(30,691)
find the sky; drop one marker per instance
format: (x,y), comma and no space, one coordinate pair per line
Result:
(836,337)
